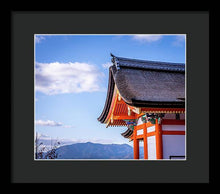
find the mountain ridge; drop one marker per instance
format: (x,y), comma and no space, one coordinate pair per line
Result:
(91,150)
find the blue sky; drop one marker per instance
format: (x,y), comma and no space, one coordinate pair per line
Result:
(71,80)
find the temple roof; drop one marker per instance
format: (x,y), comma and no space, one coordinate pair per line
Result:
(121,62)
(143,83)
(127,133)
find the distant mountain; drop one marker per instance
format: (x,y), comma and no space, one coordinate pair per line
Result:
(95,151)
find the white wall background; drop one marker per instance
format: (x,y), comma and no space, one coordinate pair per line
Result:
(139,122)
(151,147)
(151,129)
(173,127)
(173,145)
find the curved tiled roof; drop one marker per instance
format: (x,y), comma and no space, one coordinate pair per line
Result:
(150,83)
(143,83)
(127,133)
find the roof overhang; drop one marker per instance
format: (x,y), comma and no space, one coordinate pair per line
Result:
(127,97)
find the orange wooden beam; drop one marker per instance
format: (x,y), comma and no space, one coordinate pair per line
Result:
(172,122)
(163,110)
(149,124)
(121,102)
(142,136)
(141,126)
(173,133)
(163,133)
(151,133)
(139,136)
(122,117)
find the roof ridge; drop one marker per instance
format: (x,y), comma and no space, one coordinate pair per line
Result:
(144,61)
(146,64)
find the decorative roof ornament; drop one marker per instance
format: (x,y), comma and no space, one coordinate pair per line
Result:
(152,117)
(115,61)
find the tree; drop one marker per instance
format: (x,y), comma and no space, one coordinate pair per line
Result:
(51,154)
(42,152)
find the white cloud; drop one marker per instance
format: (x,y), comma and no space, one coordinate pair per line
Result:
(39,39)
(147,38)
(48,123)
(85,140)
(52,123)
(59,78)
(67,126)
(179,40)
(42,136)
(106,65)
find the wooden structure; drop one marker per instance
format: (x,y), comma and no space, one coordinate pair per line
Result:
(149,98)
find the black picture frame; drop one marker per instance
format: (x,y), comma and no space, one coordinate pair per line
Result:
(23,27)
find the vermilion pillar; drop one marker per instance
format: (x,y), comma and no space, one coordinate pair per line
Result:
(136,144)
(145,142)
(136,148)
(159,144)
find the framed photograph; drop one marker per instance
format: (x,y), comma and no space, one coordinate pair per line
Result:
(112,98)
(133,95)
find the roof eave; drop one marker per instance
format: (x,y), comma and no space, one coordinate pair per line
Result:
(111,85)
(156,104)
